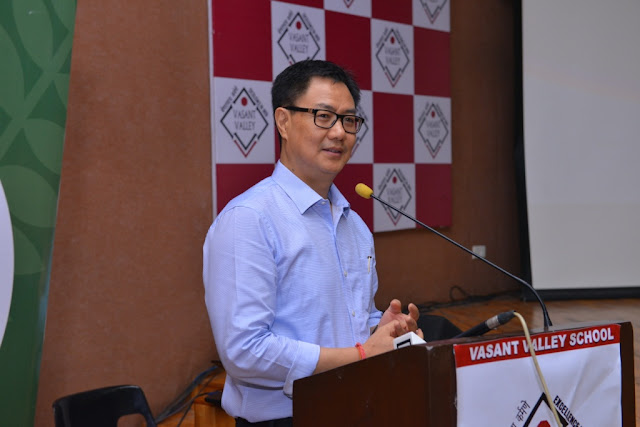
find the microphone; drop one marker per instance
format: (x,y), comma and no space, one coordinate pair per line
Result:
(487,325)
(367,193)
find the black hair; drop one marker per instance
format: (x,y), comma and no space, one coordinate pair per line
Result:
(294,81)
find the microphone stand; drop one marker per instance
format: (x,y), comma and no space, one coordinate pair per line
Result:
(545,314)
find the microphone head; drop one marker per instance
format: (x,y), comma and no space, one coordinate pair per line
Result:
(364,191)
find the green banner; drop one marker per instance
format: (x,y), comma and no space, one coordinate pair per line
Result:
(35,57)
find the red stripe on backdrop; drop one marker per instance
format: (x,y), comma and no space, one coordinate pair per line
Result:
(432,54)
(312,3)
(233,179)
(393,128)
(346,181)
(349,44)
(396,10)
(433,194)
(242,39)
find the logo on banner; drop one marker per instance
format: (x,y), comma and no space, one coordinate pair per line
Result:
(348,3)
(244,118)
(392,55)
(363,130)
(433,8)
(298,39)
(541,416)
(433,128)
(396,190)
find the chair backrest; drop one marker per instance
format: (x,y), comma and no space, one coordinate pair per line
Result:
(101,407)
(436,327)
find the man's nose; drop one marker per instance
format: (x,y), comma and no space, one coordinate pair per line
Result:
(337,130)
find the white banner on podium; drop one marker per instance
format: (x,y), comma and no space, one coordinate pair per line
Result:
(498,385)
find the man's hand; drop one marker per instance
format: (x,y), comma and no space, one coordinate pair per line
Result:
(382,340)
(407,322)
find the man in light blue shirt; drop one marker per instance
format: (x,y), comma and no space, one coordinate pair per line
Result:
(289,268)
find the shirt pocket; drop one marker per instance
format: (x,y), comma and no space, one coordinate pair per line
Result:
(361,276)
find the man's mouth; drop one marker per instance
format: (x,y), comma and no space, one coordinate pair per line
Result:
(334,150)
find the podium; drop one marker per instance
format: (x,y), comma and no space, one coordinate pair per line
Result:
(417,385)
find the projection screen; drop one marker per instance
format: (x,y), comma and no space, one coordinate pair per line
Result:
(581,131)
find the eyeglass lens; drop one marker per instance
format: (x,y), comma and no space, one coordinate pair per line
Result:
(326,119)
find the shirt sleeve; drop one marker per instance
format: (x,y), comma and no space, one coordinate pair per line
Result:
(241,278)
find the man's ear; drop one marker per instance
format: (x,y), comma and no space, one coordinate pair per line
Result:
(283,120)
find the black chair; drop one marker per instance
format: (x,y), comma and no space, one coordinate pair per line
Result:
(101,407)
(436,327)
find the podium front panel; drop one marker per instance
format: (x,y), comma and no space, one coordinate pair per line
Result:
(395,388)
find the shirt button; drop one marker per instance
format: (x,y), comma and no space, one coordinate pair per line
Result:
(345,273)
(353,313)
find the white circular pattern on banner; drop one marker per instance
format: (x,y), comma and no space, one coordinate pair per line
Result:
(6,262)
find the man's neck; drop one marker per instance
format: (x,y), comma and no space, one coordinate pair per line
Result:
(320,186)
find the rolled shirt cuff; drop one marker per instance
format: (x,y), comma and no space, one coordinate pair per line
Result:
(303,366)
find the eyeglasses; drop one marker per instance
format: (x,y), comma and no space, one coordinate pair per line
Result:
(325,119)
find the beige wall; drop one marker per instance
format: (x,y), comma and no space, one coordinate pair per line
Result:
(126,299)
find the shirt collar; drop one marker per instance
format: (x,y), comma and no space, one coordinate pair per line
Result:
(301,194)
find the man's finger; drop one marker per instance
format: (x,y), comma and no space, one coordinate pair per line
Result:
(399,329)
(395,306)
(412,324)
(413,311)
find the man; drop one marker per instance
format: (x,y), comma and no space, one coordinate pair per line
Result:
(289,268)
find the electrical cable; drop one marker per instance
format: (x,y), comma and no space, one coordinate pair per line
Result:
(190,403)
(535,362)
(178,404)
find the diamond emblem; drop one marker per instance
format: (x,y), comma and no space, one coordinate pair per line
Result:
(392,55)
(433,8)
(244,121)
(396,191)
(299,40)
(433,128)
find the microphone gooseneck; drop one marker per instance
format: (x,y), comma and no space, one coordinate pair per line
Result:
(489,324)
(366,192)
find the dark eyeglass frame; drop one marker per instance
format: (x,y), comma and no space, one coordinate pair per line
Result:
(359,120)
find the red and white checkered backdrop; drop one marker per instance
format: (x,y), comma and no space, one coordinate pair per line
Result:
(399,53)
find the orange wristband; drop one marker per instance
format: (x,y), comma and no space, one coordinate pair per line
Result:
(361,351)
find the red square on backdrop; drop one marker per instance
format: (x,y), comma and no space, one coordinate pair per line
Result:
(233,179)
(346,181)
(433,194)
(396,10)
(349,44)
(242,39)
(432,62)
(392,128)
(312,3)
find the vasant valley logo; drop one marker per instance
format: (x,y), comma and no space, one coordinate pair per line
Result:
(298,39)
(392,55)
(433,128)
(244,118)
(395,189)
(433,8)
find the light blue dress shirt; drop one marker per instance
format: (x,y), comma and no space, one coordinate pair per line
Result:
(283,276)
